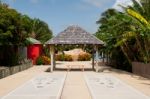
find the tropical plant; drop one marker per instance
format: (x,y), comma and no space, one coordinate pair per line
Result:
(12,34)
(63,57)
(46,60)
(127,31)
(84,57)
(14,29)
(39,61)
(40,30)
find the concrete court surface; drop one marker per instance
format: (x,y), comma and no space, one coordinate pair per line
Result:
(75,86)
(107,86)
(13,81)
(43,86)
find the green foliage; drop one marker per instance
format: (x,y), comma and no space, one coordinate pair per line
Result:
(46,50)
(39,61)
(63,57)
(84,57)
(41,30)
(10,25)
(8,55)
(43,60)
(127,32)
(46,60)
(15,28)
(68,58)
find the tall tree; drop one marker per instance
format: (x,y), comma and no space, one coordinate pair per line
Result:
(40,30)
(128,30)
(14,29)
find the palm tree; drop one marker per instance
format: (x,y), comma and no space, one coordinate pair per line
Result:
(128,30)
(140,14)
(40,30)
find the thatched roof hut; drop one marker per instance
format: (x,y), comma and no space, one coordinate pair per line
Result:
(75,35)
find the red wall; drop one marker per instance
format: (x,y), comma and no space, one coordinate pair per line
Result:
(33,52)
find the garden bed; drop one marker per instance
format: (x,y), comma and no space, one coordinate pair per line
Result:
(6,71)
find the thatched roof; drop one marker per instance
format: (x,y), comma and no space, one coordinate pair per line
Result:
(75,35)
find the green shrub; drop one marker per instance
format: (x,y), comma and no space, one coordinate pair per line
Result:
(46,60)
(84,57)
(39,61)
(68,58)
(59,57)
(63,57)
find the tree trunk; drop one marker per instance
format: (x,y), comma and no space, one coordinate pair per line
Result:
(130,62)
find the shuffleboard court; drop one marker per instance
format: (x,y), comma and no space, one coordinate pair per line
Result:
(44,86)
(103,86)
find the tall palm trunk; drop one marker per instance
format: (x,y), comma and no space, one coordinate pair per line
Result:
(126,54)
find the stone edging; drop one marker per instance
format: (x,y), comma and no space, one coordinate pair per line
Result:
(6,71)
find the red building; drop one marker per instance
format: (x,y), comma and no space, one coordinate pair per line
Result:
(34,50)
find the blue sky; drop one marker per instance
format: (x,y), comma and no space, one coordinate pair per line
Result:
(61,13)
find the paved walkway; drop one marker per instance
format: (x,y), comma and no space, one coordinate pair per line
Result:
(44,86)
(75,87)
(106,86)
(140,83)
(11,82)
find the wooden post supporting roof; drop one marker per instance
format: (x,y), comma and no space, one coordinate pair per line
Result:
(93,60)
(97,59)
(52,57)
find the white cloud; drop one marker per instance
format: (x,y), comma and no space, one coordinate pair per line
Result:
(97,3)
(124,3)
